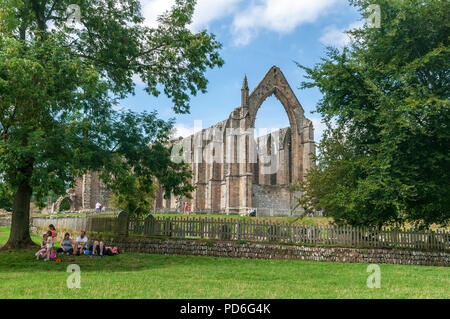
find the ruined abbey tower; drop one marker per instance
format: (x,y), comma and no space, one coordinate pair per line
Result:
(232,170)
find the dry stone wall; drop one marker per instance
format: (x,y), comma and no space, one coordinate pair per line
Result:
(277,251)
(5,221)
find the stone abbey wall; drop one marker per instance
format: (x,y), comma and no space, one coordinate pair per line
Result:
(232,170)
(87,191)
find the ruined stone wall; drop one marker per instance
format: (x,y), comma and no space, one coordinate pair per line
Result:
(274,200)
(87,191)
(227,161)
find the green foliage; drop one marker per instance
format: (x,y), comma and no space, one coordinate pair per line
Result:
(134,196)
(385,155)
(65,205)
(60,86)
(134,181)
(6,197)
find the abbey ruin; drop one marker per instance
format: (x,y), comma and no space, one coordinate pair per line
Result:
(232,170)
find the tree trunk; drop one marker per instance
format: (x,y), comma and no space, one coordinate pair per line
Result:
(19,237)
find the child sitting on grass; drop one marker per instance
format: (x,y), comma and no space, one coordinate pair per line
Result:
(43,251)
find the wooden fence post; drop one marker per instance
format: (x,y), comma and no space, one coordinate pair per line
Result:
(149,225)
(122,223)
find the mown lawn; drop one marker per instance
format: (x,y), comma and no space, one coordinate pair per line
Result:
(159,276)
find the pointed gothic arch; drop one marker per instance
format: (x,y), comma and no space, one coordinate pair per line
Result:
(231,186)
(275,83)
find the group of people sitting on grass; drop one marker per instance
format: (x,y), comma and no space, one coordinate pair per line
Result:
(69,246)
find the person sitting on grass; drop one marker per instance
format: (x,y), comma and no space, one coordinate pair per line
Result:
(101,250)
(111,251)
(97,247)
(80,244)
(43,251)
(66,245)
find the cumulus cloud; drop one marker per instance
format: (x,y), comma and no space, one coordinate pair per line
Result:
(137,80)
(182,130)
(336,37)
(151,9)
(281,16)
(319,128)
(205,12)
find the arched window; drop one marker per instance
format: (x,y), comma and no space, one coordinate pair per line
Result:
(270,124)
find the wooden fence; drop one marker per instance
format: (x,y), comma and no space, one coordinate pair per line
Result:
(104,224)
(262,231)
(254,230)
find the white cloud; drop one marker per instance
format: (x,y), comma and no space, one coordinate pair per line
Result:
(335,37)
(319,128)
(151,9)
(205,12)
(182,130)
(281,16)
(137,80)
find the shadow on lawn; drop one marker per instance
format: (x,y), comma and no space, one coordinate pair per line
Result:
(24,260)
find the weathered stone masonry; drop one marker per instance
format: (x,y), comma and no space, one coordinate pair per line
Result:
(88,190)
(233,173)
(254,250)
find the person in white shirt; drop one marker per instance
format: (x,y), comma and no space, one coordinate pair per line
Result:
(81,244)
(97,206)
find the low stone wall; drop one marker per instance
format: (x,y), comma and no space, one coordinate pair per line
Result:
(277,251)
(5,221)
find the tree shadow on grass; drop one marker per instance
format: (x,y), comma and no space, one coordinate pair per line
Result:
(25,261)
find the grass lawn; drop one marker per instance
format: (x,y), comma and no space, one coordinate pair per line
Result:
(159,276)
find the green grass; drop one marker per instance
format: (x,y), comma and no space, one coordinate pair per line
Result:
(133,275)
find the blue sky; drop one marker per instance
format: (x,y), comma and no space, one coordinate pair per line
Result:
(255,35)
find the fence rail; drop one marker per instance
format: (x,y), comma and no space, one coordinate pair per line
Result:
(104,224)
(264,231)
(255,230)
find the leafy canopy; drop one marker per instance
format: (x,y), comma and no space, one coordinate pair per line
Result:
(385,155)
(60,86)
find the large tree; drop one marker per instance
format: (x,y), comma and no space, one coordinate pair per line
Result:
(385,156)
(60,84)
